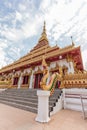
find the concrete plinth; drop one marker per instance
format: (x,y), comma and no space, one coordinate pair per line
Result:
(43,106)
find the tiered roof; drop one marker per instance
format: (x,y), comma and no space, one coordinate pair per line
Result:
(34,57)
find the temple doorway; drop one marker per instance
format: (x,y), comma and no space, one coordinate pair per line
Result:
(25,79)
(25,82)
(15,81)
(37,80)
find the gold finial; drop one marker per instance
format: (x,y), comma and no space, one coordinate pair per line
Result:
(44,27)
(44,35)
(72,41)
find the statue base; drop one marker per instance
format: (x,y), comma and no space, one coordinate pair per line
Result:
(43,106)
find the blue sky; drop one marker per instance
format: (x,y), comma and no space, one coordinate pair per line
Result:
(21,23)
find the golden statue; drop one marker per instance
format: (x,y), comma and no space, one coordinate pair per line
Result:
(54,78)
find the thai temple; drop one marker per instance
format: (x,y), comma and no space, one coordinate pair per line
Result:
(27,71)
(48,68)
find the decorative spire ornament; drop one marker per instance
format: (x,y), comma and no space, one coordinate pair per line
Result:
(43,35)
(72,41)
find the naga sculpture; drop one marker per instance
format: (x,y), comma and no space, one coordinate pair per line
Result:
(54,78)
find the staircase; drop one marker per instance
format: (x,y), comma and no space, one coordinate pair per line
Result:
(26,99)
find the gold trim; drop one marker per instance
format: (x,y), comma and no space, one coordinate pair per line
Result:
(26,74)
(38,58)
(16,75)
(38,72)
(77,80)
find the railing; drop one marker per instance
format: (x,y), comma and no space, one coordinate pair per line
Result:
(78,101)
(84,110)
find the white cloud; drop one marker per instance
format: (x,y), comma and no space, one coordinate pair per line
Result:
(12,34)
(3,43)
(8,4)
(65,14)
(18,16)
(63,17)
(2,58)
(29,29)
(22,7)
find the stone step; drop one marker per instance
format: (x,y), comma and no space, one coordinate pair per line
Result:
(20,101)
(19,95)
(24,95)
(31,102)
(27,93)
(26,99)
(16,93)
(20,90)
(34,98)
(21,106)
(30,99)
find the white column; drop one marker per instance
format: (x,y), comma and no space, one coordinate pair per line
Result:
(20,81)
(12,78)
(43,106)
(31,80)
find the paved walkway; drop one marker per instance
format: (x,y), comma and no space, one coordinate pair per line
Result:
(16,119)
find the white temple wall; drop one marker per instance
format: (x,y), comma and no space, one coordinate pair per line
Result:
(36,68)
(62,63)
(52,64)
(41,68)
(67,64)
(71,68)
(26,70)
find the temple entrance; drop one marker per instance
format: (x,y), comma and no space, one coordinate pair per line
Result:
(37,80)
(15,82)
(25,79)
(25,82)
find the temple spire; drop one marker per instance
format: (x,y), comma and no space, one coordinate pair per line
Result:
(72,41)
(43,35)
(44,28)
